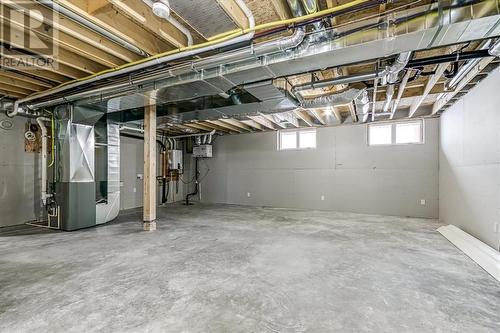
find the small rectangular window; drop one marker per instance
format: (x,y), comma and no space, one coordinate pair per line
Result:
(400,133)
(409,133)
(380,134)
(307,139)
(298,139)
(288,140)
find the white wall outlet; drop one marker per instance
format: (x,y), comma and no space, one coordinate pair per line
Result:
(135,190)
(422,202)
(249,194)
(322,198)
(495,227)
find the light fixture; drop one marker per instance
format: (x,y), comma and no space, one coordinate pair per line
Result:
(161,8)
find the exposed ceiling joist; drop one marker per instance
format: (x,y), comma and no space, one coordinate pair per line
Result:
(428,87)
(71,33)
(253,123)
(318,116)
(237,123)
(17,36)
(225,125)
(140,13)
(468,78)
(235,13)
(274,120)
(282,9)
(68,42)
(120,25)
(305,117)
(263,121)
(18,83)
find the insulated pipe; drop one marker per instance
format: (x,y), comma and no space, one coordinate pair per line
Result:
(92,26)
(146,64)
(175,23)
(40,121)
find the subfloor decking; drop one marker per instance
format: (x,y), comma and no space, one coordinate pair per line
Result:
(216,268)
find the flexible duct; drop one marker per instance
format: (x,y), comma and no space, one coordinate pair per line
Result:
(358,96)
(392,73)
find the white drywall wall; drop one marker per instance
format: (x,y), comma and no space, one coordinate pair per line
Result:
(350,175)
(470,162)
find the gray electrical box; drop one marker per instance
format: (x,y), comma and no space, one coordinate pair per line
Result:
(175,162)
(202,151)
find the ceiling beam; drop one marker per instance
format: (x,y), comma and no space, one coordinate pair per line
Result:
(64,40)
(263,121)
(446,97)
(16,36)
(225,125)
(204,127)
(235,13)
(317,115)
(120,25)
(19,83)
(305,117)
(282,9)
(8,87)
(289,117)
(95,5)
(140,13)
(69,30)
(25,78)
(273,119)
(16,59)
(428,87)
(5,93)
(253,124)
(237,123)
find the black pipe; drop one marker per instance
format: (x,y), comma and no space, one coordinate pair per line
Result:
(164,149)
(196,184)
(448,58)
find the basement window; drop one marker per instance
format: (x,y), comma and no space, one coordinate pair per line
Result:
(299,139)
(400,133)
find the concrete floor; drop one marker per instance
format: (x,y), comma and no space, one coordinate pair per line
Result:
(241,269)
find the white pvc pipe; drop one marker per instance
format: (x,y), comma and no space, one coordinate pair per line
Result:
(40,121)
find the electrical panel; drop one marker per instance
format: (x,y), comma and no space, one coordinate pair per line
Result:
(175,162)
(202,151)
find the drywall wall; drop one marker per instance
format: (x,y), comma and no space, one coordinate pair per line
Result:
(470,162)
(343,171)
(19,192)
(132,168)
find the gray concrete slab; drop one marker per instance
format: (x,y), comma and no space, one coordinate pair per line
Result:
(241,269)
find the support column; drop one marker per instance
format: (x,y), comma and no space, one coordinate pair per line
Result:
(150,166)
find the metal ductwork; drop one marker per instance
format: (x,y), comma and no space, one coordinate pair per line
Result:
(391,76)
(358,96)
(414,29)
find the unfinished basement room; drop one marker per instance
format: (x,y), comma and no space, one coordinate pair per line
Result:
(249,166)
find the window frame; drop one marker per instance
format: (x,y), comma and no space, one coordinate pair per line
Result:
(393,133)
(297,138)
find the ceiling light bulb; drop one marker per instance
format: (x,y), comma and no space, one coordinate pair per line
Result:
(161,9)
